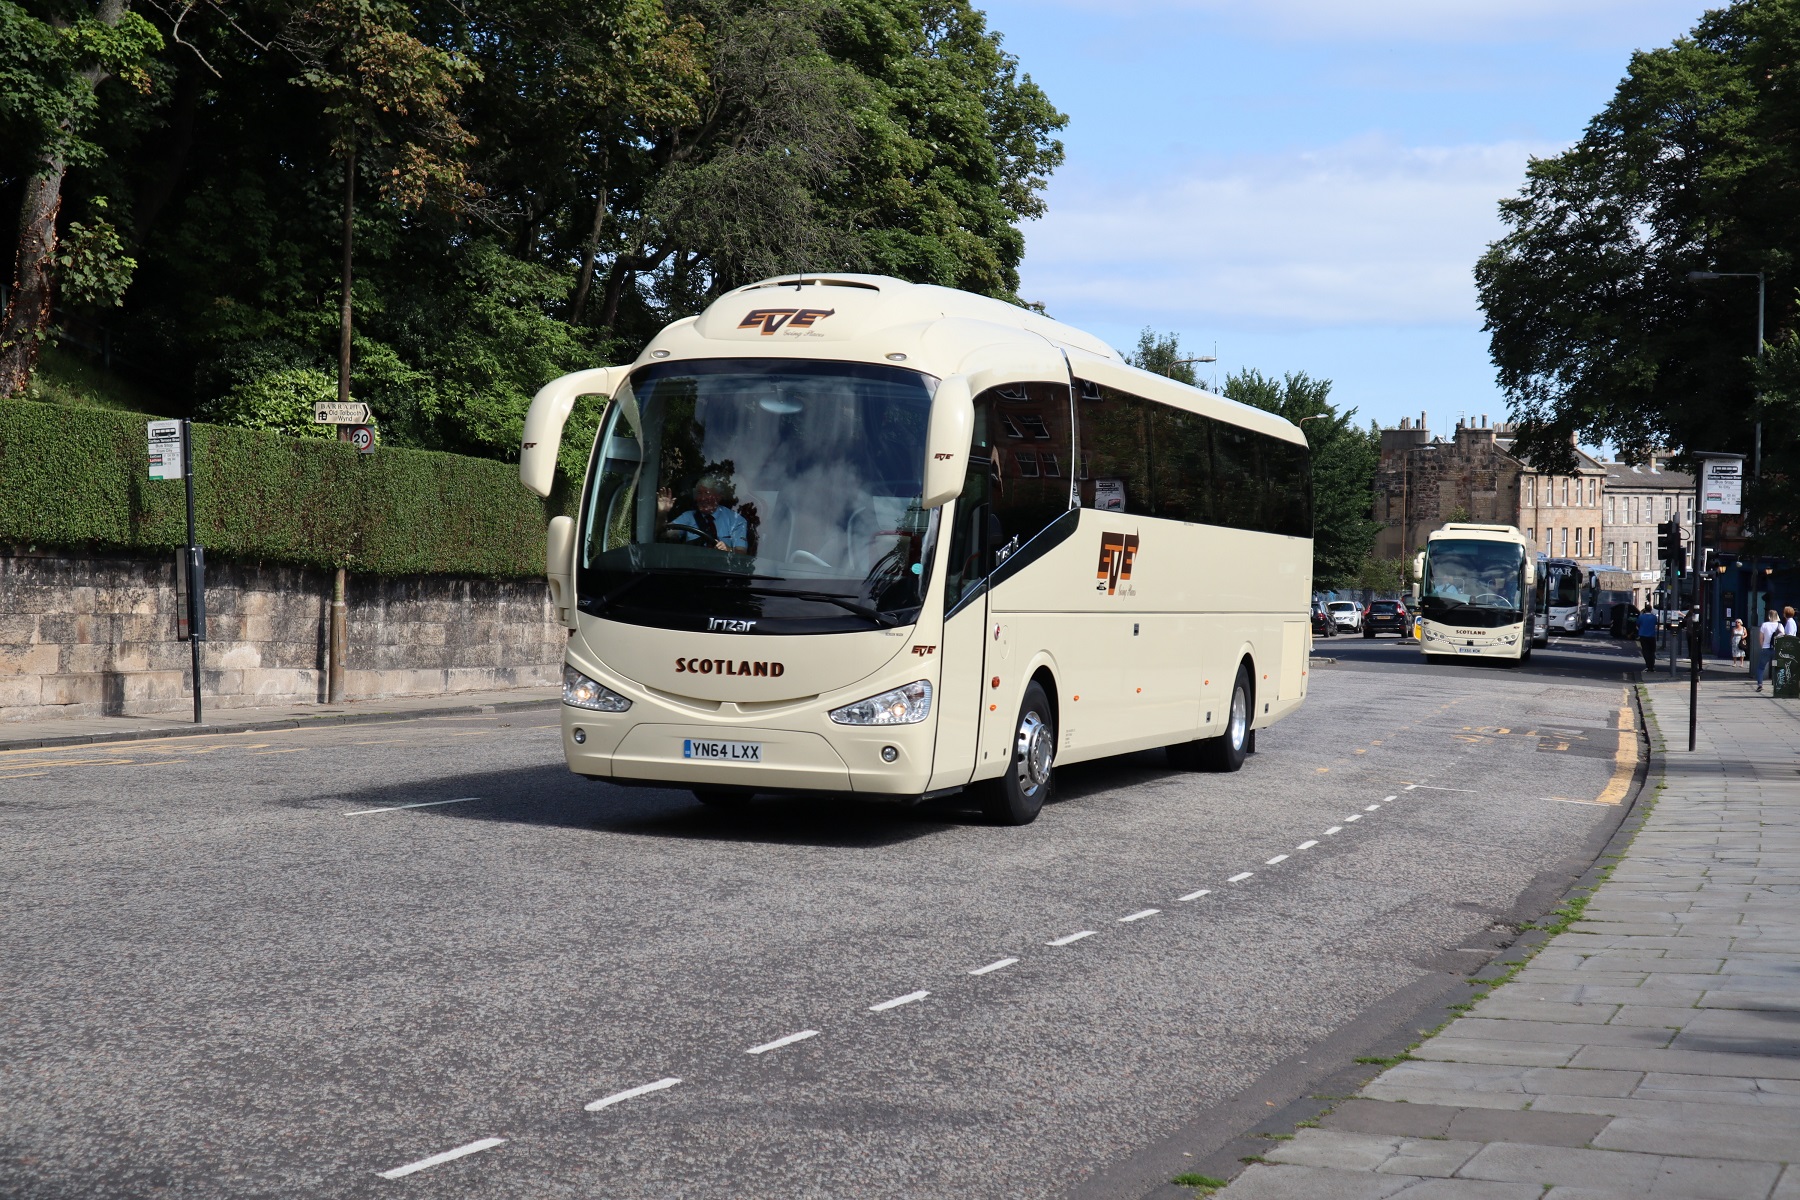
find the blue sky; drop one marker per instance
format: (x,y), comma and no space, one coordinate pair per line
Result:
(1308,182)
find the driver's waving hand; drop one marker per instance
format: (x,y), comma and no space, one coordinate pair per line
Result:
(714,525)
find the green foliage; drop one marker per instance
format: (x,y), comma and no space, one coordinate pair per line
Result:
(1162,353)
(92,268)
(1384,575)
(280,401)
(50,55)
(78,478)
(1595,328)
(1344,458)
(541,186)
(72,379)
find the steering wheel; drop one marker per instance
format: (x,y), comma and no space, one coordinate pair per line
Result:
(685,530)
(1503,602)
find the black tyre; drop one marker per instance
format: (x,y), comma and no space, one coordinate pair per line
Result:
(1368,633)
(1228,751)
(1018,796)
(717,799)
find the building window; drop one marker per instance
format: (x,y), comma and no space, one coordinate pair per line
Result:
(1668,507)
(1609,555)
(1565,539)
(1609,515)
(1593,499)
(1530,492)
(1565,492)
(1690,510)
(1590,541)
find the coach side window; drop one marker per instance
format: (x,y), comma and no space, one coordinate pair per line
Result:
(1115,450)
(1028,430)
(1181,472)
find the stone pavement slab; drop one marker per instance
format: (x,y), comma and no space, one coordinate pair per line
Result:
(1651,1049)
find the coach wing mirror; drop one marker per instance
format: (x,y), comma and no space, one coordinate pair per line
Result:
(947,441)
(559,568)
(1418,575)
(549,412)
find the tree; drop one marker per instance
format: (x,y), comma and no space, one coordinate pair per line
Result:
(53,60)
(1162,354)
(1343,467)
(1594,328)
(391,96)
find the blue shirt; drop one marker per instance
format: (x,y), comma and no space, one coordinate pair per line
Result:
(1647,624)
(734,531)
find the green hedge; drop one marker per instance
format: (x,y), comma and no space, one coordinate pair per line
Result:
(80,478)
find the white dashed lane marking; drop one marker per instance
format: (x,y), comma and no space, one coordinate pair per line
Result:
(1240,877)
(1279,858)
(1372,808)
(1306,845)
(778,1043)
(1334,829)
(363,812)
(1355,817)
(1138,916)
(1195,895)
(630,1094)
(1073,937)
(446,1156)
(897,1001)
(994,966)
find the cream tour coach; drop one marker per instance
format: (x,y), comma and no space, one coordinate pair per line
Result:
(853,535)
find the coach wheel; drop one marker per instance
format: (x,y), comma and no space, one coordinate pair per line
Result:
(1018,796)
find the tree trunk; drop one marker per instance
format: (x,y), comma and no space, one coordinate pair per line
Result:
(343,380)
(28,310)
(591,250)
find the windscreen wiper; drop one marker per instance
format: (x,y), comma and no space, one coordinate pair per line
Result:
(608,600)
(862,610)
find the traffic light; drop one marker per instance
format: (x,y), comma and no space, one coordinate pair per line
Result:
(1679,561)
(1668,537)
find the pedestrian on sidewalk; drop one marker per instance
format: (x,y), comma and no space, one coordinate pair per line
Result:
(1740,638)
(1646,630)
(1788,624)
(1766,633)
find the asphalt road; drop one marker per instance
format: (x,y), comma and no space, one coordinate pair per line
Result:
(237,966)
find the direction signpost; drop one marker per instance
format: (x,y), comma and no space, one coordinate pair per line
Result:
(354,425)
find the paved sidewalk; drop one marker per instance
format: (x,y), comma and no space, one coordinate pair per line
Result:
(1652,1049)
(65,731)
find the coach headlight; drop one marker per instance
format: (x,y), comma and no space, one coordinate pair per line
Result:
(903,706)
(581,692)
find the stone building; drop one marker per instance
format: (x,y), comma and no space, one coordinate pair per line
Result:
(1423,481)
(1638,499)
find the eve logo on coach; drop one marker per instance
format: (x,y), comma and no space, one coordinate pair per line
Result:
(1117,550)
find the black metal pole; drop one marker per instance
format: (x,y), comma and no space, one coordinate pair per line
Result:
(196,581)
(1697,636)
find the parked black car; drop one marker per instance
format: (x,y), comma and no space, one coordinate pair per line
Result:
(1386,616)
(1322,623)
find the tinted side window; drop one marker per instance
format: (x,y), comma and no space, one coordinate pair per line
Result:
(1028,432)
(1181,470)
(970,537)
(1155,460)
(1115,450)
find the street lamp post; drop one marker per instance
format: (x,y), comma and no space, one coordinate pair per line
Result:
(1761,292)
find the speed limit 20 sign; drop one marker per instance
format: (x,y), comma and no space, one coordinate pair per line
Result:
(360,436)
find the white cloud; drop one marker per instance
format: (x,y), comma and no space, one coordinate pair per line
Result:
(1597,22)
(1363,233)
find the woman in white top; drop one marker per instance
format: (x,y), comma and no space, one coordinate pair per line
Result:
(1766,634)
(1788,625)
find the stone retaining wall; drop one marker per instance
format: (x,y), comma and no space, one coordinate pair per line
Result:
(93,634)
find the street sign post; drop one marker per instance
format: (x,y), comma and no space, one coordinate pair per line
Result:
(360,436)
(1718,485)
(333,412)
(172,457)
